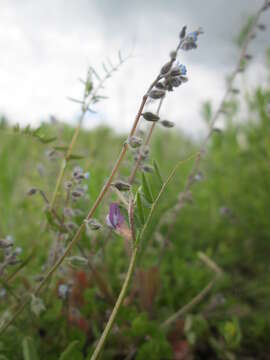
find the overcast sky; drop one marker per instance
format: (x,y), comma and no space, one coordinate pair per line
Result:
(47,45)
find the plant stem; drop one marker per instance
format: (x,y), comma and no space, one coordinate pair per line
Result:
(195,301)
(117,305)
(147,141)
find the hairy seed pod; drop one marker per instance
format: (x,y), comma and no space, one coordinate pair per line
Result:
(157,94)
(160,85)
(121,185)
(166,68)
(167,123)
(149,116)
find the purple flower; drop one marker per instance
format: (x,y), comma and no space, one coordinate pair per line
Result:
(182,68)
(114,219)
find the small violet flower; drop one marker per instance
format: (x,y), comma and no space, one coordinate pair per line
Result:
(114,219)
(182,68)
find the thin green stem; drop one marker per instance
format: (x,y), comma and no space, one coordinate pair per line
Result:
(117,306)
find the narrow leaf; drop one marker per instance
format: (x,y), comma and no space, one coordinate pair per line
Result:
(147,189)
(140,208)
(157,171)
(29,350)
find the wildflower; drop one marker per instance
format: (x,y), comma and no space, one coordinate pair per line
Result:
(87,175)
(178,70)
(114,219)
(190,41)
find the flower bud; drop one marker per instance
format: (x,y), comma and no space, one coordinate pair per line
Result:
(150,116)
(176,81)
(183,32)
(173,55)
(93,224)
(121,185)
(134,142)
(157,94)
(160,85)
(167,123)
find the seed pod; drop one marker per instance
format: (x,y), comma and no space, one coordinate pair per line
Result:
(93,224)
(176,81)
(167,123)
(160,85)
(151,116)
(184,79)
(173,55)
(157,94)
(134,142)
(166,68)
(122,185)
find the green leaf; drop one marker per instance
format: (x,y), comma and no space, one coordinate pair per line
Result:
(61,148)
(47,140)
(147,189)
(157,171)
(76,157)
(70,350)
(29,350)
(140,208)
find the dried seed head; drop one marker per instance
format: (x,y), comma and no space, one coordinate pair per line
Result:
(149,116)
(134,142)
(167,123)
(121,185)
(93,224)
(157,94)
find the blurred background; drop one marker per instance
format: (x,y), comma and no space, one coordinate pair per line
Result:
(47,46)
